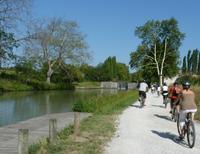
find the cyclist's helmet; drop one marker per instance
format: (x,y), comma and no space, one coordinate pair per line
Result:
(186,85)
(164,84)
(175,83)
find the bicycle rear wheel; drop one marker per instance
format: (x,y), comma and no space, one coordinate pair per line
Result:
(191,135)
(141,101)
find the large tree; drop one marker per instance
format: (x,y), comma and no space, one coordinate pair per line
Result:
(12,11)
(56,43)
(159,49)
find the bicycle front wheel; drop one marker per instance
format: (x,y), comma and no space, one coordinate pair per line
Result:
(191,135)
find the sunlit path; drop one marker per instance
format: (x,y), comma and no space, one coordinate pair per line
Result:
(149,131)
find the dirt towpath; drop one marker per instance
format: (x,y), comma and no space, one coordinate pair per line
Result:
(149,131)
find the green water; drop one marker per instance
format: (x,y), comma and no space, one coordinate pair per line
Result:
(20,106)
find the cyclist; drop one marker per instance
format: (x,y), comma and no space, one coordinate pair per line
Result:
(143,87)
(187,104)
(158,90)
(164,91)
(173,95)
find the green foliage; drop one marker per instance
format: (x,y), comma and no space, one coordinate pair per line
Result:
(194,80)
(184,67)
(189,61)
(106,104)
(157,36)
(7,44)
(95,131)
(193,62)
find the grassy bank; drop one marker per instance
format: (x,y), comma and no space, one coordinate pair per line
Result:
(12,81)
(197,94)
(87,85)
(95,131)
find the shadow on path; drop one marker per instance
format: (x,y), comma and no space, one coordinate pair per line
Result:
(170,136)
(161,106)
(134,105)
(163,117)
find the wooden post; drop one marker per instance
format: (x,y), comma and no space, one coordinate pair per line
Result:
(22,141)
(52,130)
(76,124)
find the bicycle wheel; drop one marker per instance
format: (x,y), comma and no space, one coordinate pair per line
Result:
(178,125)
(165,101)
(191,135)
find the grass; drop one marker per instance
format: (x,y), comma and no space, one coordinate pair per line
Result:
(95,131)
(12,85)
(197,100)
(88,84)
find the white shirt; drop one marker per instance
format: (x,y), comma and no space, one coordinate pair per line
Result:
(143,86)
(165,88)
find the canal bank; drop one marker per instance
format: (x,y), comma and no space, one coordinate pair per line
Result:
(38,129)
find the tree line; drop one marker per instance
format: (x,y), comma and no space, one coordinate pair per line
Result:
(52,50)
(191,62)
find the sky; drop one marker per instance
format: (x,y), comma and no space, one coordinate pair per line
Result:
(109,25)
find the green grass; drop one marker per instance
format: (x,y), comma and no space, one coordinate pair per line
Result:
(95,131)
(12,85)
(197,100)
(87,84)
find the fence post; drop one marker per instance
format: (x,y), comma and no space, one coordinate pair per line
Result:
(52,130)
(23,141)
(76,124)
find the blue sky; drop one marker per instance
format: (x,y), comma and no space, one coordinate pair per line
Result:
(109,25)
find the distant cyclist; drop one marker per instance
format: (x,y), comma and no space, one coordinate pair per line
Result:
(158,90)
(187,104)
(174,91)
(143,87)
(164,91)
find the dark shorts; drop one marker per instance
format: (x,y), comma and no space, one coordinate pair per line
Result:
(174,102)
(142,93)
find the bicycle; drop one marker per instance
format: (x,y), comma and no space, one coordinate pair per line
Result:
(188,129)
(165,99)
(142,99)
(174,115)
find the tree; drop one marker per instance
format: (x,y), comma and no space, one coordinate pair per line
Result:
(56,43)
(12,11)
(198,72)
(159,48)
(7,43)
(194,61)
(189,61)
(122,72)
(184,67)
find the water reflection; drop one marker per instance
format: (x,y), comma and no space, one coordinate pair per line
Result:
(19,106)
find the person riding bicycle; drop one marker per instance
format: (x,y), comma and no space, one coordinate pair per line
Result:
(187,104)
(164,91)
(173,95)
(143,87)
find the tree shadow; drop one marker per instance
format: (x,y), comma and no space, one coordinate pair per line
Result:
(163,117)
(170,136)
(161,106)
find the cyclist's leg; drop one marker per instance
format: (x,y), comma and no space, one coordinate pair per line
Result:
(182,116)
(193,111)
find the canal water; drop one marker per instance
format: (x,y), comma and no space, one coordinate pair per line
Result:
(20,106)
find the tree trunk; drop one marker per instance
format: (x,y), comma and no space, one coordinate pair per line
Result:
(50,72)
(162,64)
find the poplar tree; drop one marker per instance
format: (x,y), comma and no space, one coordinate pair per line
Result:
(189,61)
(184,67)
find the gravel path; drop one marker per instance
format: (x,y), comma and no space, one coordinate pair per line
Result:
(149,131)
